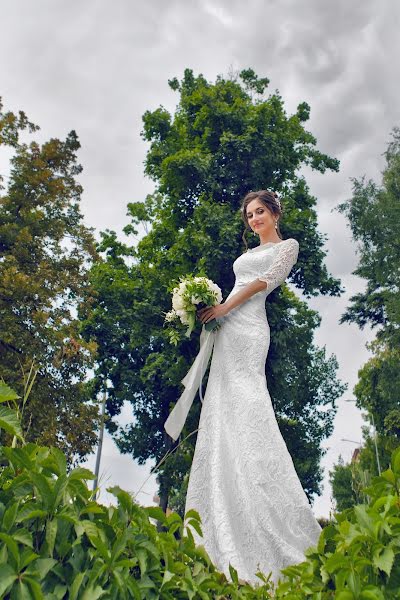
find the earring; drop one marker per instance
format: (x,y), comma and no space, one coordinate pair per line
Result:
(276,224)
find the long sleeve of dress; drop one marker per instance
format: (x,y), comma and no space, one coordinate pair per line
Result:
(286,256)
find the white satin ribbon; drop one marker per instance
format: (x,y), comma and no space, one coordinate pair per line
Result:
(192,380)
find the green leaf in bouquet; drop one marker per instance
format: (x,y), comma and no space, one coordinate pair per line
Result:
(191,315)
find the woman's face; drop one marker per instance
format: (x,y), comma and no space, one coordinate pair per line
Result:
(260,218)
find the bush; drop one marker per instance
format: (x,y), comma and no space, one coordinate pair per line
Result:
(56,542)
(358,556)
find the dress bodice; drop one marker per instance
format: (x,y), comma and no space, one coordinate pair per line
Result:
(270,262)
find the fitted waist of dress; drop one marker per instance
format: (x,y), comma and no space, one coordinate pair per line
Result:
(256,299)
(241,284)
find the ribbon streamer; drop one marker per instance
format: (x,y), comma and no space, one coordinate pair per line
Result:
(192,381)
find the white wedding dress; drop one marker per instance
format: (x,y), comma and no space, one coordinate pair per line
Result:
(243,483)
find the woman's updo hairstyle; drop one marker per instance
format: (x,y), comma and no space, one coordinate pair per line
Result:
(270,200)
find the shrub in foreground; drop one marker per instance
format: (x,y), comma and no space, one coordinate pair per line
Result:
(358,555)
(58,543)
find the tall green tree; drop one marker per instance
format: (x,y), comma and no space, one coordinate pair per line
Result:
(377,389)
(224,139)
(373,213)
(45,253)
(341,480)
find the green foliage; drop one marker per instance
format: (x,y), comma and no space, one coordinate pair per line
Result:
(364,547)
(45,253)
(358,556)
(56,542)
(341,480)
(386,444)
(349,481)
(9,418)
(373,212)
(224,139)
(377,389)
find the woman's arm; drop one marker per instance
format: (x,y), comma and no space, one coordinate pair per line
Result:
(220,310)
(285,258)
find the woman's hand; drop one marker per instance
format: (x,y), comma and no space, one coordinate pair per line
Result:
(220,310)
(212,312)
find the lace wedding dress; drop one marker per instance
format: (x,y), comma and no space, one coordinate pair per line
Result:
(243,483)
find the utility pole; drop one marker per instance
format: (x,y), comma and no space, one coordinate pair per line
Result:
(100,446)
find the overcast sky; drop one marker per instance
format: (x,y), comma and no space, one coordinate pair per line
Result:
(97,66)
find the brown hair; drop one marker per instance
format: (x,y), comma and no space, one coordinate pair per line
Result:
(269,199)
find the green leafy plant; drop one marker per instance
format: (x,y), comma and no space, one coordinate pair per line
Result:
(358,556)
(57,542)
(12,414)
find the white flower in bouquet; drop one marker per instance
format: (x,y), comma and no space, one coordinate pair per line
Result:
(170,315)
(182,314)
(186,298)
(177,301)
(218,292)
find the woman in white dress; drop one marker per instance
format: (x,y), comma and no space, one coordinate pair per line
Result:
(255,514)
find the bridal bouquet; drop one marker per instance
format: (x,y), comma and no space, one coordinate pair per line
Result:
(192,294)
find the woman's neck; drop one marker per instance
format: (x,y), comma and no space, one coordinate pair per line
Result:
(266,238)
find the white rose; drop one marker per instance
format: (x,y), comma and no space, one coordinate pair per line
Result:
(183,317)
(182,286)
(215,288)
(177,302)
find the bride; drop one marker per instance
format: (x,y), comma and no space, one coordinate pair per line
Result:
(255,514)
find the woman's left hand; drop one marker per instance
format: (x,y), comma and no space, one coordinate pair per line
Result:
(212,312)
